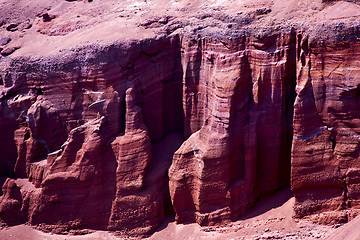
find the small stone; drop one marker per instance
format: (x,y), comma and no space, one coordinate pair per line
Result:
(337,225)
(12,27)
(163,20)
(9,50)
(262,11)
(27,24)
(48,17)
(4,40)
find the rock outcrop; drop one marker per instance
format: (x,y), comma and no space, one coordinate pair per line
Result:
(238,98)
(325,153)
(196,115)
(86,142)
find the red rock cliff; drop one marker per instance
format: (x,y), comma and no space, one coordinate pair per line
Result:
(94,137)
(196,115)
(325,151)
(237,98)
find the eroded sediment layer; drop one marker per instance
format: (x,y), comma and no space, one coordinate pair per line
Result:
(238,97)
(232,100)
(197,123)
(326,143)
(81,129)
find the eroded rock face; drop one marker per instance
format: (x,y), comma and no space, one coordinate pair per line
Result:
(11,202)
(117,136)
(83,137)
(325,152)
(238,98)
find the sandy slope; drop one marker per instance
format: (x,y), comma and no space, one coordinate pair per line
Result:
(271,218)
(78,23)
(350,231)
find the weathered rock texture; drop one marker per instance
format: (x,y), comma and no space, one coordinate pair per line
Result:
(83,136)
(326,143)
(197,123)
(238,98)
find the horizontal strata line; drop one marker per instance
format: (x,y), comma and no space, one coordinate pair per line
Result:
(97,101)
(352,134)
(312,135)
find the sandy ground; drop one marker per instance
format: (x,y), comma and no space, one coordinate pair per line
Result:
(80,23)
(270,218)
(350,231)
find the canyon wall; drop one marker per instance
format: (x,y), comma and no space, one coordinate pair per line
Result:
(89,136)
(237,99)
(120,136)
(326,142)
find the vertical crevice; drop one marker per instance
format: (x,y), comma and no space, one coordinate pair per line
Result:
(175,92)
(191,80)
(239,108)
(166,136)
(345,191)
(168,206)
(344,203)
(27,136)
(298,45)
(172,95)
(122,114)
(290,95)
(333,143)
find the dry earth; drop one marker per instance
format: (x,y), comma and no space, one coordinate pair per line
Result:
(78,23)
(271,218)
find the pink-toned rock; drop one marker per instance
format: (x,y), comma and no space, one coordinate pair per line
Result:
(238,113)
(11,203)
(86,145)
(133,155)
(112,119)
(326,143)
